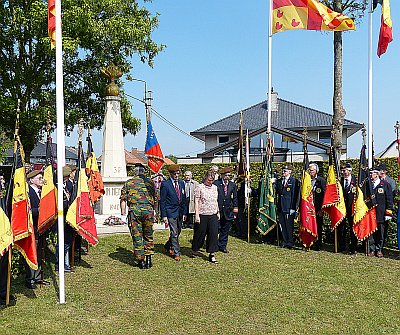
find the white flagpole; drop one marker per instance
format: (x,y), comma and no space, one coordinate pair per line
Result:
(269,66)
(370,133)
(60,151)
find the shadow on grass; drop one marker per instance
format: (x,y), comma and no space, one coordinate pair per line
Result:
(123,255)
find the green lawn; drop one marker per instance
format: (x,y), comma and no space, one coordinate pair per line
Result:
(255,289)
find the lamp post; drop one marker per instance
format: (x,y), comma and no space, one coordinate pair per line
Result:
(147,99)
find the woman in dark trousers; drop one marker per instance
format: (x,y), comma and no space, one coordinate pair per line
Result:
(206,217)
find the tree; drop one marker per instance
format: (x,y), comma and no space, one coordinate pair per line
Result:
(96,33)
(354,9)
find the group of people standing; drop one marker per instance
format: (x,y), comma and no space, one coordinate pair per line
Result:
(288,197)
(209,207)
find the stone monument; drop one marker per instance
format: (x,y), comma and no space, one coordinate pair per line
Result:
(113,165)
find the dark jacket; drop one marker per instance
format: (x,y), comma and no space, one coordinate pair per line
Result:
(318,192)
(170,205)
(349,194)
(288,195)
(228,202)
(35,204)
(384,201)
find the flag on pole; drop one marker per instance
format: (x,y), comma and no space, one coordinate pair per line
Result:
(333,203)
(155,158)
(385,33)
(51,22)
(307,15)
(6,236)
(48,197)
(241,167)
(364,223)
(80,213)
(308,232)
(95,183)
(267,209)
(21,217)
(247,181)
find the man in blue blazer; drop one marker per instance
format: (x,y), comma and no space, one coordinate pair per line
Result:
(228,206)
(288,193)
(173,209)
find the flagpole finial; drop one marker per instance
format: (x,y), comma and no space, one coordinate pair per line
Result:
(397,129)
(305,132)
(48,126)
(17,118)
(80,129)
(364,134)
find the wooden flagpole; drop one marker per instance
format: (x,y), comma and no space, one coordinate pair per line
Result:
(8,277)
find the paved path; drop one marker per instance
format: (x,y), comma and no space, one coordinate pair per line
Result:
(103,229)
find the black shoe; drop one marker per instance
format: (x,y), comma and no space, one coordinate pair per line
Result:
(42,282)
(141,264)
(225,251)
(31,286)
(13,299)
(149,264)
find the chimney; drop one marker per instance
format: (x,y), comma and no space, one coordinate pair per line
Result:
(274,101)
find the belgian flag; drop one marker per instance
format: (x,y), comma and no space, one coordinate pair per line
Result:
(48,200)
(364,222)
(333,203)
(19,206)
(6,236)
(95,183)
(80,213)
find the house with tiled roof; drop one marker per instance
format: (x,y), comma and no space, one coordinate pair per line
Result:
(288,121)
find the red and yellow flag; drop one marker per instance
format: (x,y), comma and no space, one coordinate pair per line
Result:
(51,22)
(385,33)
(307,15)
(95,183)
(333,203)
(21,217)
(364,222)
(308,231)
(48,200)
(80,213)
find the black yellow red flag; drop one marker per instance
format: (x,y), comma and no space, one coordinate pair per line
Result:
(364,222)
(48,197)
(20,209)
(80,213)
(333,202)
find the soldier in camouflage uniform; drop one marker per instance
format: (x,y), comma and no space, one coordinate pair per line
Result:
(139,193)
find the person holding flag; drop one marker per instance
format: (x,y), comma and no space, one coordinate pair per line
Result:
(384,201)
(318,189)
(288,193)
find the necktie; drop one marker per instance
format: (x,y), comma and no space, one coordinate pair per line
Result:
(178,193)
(226,188)
(346,183)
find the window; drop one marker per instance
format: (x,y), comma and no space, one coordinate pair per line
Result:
(223,139)
(325,136)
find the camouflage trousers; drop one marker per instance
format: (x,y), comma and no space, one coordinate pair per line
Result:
(141,229)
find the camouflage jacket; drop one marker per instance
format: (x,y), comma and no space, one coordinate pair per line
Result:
(139,192)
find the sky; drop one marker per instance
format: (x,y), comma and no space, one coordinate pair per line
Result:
(216,63)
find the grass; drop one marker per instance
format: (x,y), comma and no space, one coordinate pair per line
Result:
(255,289)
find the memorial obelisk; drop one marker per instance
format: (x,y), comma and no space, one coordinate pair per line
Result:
(113,165)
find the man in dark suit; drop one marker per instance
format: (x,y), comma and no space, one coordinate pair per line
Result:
(318,188)
(33,277)
(384,206)
(228,206)
(348,182)
(173,209)
(288,193)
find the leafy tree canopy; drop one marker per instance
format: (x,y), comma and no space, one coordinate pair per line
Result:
(96,33)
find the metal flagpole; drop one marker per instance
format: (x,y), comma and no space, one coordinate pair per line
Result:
(60,151)
(370,151)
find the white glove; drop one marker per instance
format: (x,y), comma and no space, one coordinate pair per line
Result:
(124,218)
(388,218)
(292,211)
(273,180)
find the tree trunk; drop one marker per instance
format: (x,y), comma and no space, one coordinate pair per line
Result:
(338,111)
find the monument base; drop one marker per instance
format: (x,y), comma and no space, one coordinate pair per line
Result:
(109,202)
